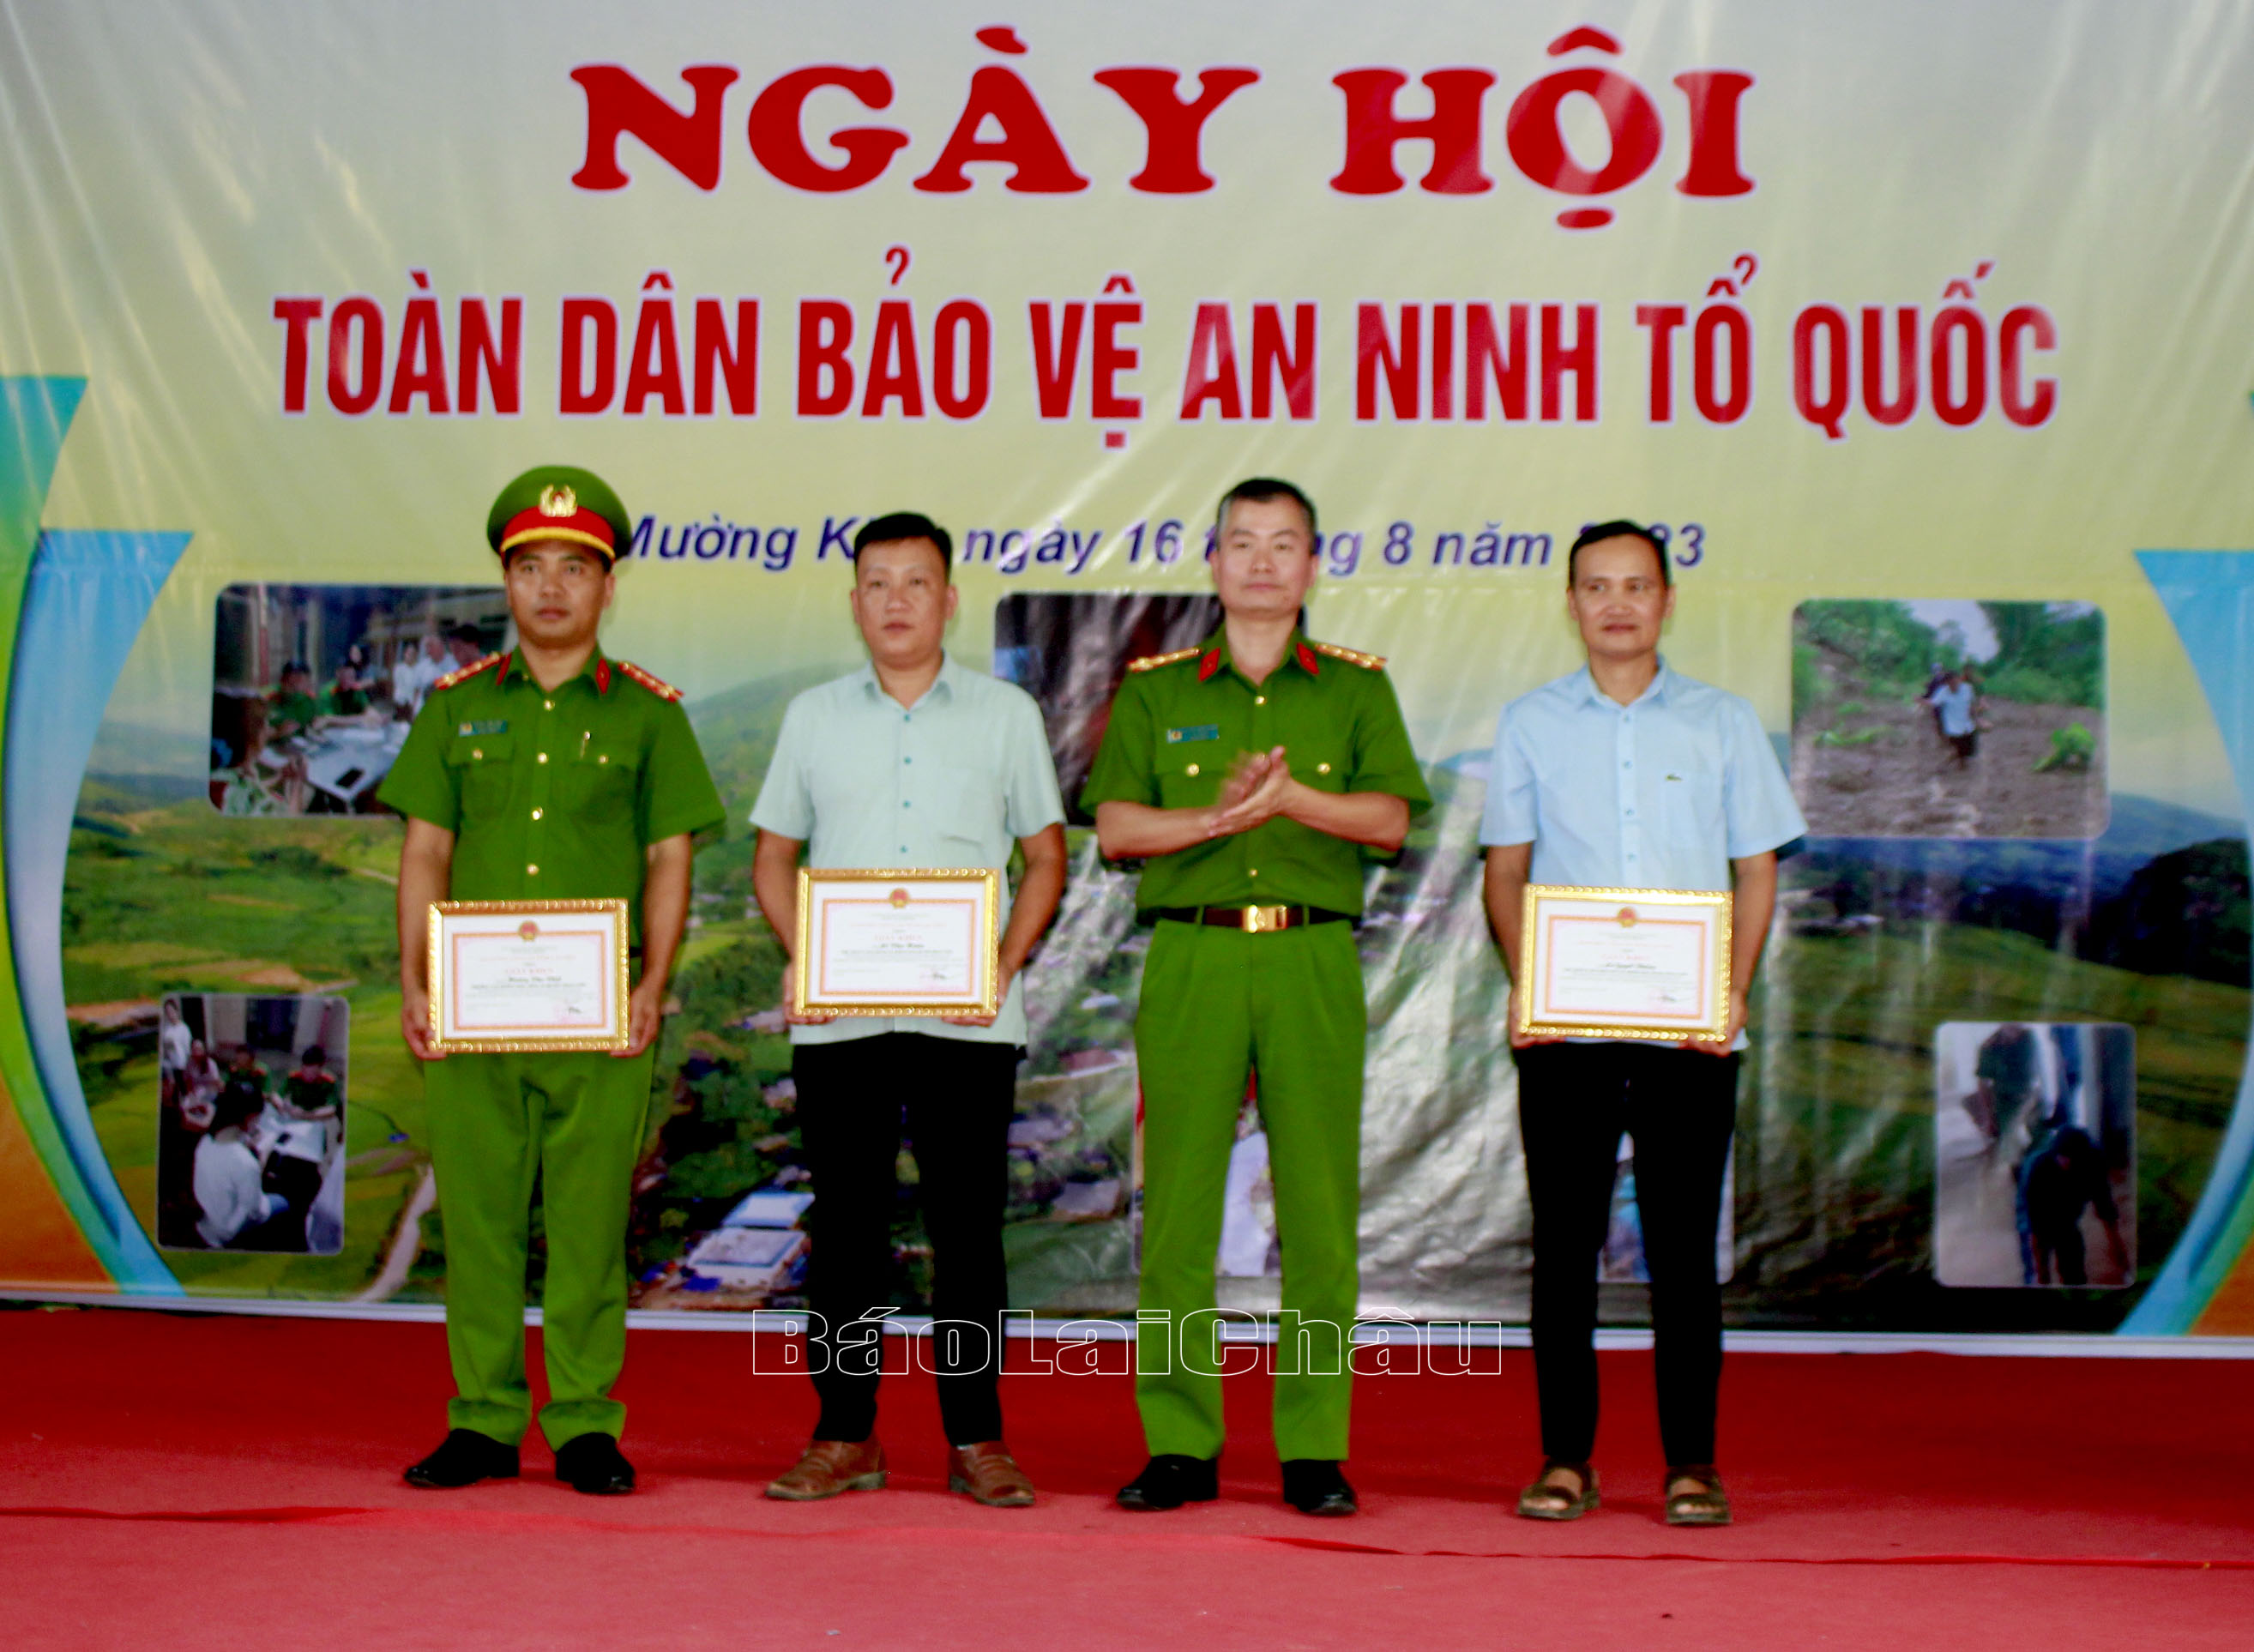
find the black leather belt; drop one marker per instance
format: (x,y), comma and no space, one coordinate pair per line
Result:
(1253,921)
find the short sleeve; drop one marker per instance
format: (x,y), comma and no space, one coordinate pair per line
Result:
(786,804)
(1383,760)
(677,793)
(1034,803)
(1510,815)
(1123,772)
(419,783)
(1757,800)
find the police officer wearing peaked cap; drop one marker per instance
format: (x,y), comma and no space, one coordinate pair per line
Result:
(553,772)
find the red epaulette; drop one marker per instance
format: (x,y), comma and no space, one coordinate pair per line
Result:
(455,679)
(658,686)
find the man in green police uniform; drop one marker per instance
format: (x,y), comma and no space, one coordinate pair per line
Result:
(1250,774)
(548,773)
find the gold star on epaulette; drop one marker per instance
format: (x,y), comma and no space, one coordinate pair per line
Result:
(1152,661)
(455,679)
(1352,656)
(658,686)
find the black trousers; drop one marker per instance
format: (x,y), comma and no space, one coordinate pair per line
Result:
(956,1099)
(1678,1107)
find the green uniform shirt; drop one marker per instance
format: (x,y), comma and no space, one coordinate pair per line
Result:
(298,709)
(311,1095)
(553,795)
(1179,725)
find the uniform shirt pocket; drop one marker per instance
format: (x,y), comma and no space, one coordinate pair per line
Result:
(598,784)
(1190,776)
(1322,767)
(482,765)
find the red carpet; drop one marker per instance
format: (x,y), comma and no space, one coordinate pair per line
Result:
(190,1481)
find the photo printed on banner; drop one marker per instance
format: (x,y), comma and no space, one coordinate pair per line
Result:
(1070,652)
(1941,718)
(313,687)
(251,1122)
(2034,1154)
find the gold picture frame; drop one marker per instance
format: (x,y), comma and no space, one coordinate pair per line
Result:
(1697,920)
(830,947)
(452,923)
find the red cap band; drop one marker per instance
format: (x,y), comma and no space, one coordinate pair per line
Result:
(581,527)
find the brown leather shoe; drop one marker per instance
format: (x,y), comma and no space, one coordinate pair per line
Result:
(829,1466)
(987,1474)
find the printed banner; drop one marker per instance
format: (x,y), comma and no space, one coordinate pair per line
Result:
(1911,328)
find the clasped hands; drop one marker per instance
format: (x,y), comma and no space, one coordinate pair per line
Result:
(1258,788)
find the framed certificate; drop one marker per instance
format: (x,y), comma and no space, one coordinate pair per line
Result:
(528,974)
(921,942)
(1624,963)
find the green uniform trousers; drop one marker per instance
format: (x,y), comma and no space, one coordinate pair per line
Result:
(1216,1005)
(575,1122)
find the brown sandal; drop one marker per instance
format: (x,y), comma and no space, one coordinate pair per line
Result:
(1708,1505)
(1542,1501)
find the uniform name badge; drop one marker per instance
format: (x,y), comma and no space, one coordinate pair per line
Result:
(528,975)
(1624,963)
(896,942)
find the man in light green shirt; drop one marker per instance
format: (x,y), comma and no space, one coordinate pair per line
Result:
(911,761)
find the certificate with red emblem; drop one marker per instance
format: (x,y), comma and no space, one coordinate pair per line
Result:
(528,974)
(894,943)
(1624,963)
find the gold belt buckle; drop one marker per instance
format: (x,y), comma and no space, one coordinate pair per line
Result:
(1259,919)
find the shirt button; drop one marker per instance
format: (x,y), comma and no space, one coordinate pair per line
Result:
(1322,768)
(532,872)
(479,751)
(604,757)
(543,757)
(907,759)
(548,705)
(1259,699)
(1254,873)
(1192,769)
(536,814)
(904,802)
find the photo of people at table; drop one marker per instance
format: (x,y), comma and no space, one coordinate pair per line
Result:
(314,686)
(250,1126)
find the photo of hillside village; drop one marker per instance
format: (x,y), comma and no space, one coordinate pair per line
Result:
(1879,942)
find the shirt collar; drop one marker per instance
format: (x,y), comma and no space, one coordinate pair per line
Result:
(1214,656)
(1656,691)
(598,670)
(950,674)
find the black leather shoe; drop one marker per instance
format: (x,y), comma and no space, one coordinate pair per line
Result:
(1170,1480)
(593,1464)
(465,1457)
(1314,1486)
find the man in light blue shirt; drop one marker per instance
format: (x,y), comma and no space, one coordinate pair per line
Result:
(911,761)
(1629,775)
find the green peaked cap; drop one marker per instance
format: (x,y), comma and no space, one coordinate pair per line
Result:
(564,502)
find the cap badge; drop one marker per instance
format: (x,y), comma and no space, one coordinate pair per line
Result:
(559,501)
